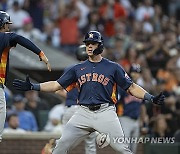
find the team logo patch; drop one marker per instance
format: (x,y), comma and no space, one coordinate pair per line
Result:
(90,35)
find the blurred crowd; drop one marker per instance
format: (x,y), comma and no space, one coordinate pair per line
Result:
(144,32)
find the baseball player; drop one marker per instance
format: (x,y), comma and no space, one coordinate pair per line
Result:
(9,40)
(130,109)
(97,79)
(72,106)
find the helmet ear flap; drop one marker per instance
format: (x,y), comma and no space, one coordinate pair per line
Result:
(99,49)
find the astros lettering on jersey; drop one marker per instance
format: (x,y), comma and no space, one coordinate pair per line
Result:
(87,74)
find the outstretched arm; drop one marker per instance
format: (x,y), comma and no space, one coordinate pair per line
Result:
(50,86)
(139,92)
(14,39)
(136,91)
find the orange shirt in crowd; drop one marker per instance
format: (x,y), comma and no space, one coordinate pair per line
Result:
(69,31)
(170,80)
(118,12)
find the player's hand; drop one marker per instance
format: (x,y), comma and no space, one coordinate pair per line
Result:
(49,147)
(159,99)
(43,58)
(23,85)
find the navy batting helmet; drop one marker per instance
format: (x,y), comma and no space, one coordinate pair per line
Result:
(81,54)
(4,18)
(135,68)
(95,36)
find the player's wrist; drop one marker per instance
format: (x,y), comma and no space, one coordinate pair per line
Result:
(41,54)
(35,87)
(148,97)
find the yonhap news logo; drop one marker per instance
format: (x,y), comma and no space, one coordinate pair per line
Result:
(129,140)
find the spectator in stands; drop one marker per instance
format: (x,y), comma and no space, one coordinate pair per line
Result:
(4,5)
(54,123)
(52,34)
(68,19)
(17,15)
(84,11)
(170,112)
(169,78)
(36,10)
(27,120)
(145,10)
(173,8)
(157,54)
(147,81)
(13,124)
(10,3)
(34,104)
(129,58)
(111,11)
(94,22)
(160,128)
(30,32)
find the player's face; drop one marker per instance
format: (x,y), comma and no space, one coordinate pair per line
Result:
(90,47)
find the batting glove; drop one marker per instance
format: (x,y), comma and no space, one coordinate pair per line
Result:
(159,99)
(25,85)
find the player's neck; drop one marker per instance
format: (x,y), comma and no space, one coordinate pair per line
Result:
(95,58)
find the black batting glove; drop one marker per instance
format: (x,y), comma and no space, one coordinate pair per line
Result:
(159,99)
(23,85)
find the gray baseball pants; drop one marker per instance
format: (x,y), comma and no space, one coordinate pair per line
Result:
(131,130)
(90,144)
(84,122)
(2,111)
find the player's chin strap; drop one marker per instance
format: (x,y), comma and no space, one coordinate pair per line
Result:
(99,49)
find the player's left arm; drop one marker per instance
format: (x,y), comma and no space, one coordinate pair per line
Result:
(140,93)
(125,82)
(136,91)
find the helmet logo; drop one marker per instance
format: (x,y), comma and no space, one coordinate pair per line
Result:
(90,35)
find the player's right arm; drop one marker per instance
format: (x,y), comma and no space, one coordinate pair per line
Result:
(15,39)
(50,86)
(66,80)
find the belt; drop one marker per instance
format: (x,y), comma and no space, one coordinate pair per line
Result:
(95,107)
(68,106)
(1,85)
